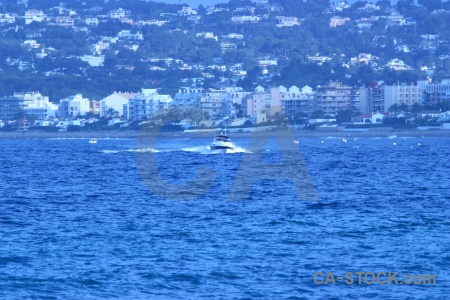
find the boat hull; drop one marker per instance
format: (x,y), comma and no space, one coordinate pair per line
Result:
(220,149)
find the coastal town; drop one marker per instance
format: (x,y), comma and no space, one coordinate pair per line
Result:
(232,106)
(229,88)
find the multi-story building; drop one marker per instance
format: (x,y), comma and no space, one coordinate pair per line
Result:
(437,92)
(375,97)
(295,101)
(39,106)
(335,97)
(73,106)
(116,102)
(211,102)
(188,96)
(402,93)
(148,103)
(232,101)
(257,102)
(94,106)
(11,106)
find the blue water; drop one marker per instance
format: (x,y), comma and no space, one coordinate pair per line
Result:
(77,221)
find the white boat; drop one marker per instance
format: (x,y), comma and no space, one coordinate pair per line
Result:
(392,136)
(93,141)
(222,143)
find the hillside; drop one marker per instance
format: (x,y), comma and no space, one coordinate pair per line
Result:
(94,48)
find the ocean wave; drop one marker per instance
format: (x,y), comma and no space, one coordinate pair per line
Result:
(153,150)
(207,150)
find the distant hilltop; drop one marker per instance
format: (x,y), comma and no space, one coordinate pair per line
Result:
(196,3)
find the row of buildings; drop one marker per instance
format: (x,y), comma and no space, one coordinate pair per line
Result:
(330,98)
(234,102)
(127,105)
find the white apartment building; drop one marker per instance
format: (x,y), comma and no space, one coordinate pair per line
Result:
(211,102)
(437,92)
(217,103)
(402,93)
(147,103)
(257,102)
(335,97)
(233,99)
(115,101)
(73,106)
(188,96)
(295,100)
(39,106)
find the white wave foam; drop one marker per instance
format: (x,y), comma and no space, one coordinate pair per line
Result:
(198,149)
(86,138)
(110,151)
(143,150)
(54,139)
(207,150)
(131,150)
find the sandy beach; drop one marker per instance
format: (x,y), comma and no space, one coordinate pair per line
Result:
(298,133)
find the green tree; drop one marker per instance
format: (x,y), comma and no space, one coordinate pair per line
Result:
(416,108)
(394,108)
(318,114)
(431,5)
(344,116)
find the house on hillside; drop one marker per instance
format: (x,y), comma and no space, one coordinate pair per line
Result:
(186,11)
(34,15)
(338,21)
(243,19)
(119,13)
(287,21)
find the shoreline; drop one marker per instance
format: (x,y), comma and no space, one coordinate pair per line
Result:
(133,134)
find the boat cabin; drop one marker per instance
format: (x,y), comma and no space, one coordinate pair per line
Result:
(222,138)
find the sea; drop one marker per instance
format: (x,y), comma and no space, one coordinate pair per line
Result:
(124,219)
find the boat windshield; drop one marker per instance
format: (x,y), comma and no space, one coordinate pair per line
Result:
(222,138)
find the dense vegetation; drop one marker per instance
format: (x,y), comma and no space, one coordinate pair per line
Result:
(61,73)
